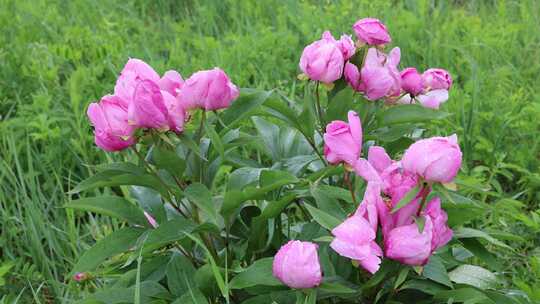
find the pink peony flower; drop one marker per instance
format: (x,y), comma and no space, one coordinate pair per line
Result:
(209,90)
(133,72)
(408,245)
(411,81)
(110,120)
(171,82)
(371,31)
(323,59)
(296,265)
(147,109)
(435,159)
(437,79)
(343,141)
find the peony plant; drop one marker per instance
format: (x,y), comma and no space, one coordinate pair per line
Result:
(249,196)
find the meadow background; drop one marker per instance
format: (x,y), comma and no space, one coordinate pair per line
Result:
(58,56)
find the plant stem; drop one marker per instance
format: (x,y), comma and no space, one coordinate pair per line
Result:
(425,192)
(319,109)
(154,172)
(347,181)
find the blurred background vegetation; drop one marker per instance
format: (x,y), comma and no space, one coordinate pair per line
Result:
(58,56)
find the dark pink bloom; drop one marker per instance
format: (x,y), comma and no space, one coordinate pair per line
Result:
(209,90)
(372,31)
(343,141)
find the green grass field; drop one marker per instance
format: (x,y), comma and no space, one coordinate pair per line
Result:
(58,56)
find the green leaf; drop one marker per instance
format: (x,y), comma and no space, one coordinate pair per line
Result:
(273,209)
(468,295)
(339,105)
(402,276)
(216,140)
(259,273)
(193,296)
(115,243)
(410,114)
(324,219)
(119,175)
(180,274)
(425,286)
(202,197)
(149,291)
(248,101)
(113,206)
(464,232)
(407,198)
(474,246)
(168,160)
(326,198)
(168,232)
(435,270)
(473,275)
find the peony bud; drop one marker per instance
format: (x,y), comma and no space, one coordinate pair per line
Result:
(408,245)
(435,159)
(110,120)
(343,141)
(296,264)
(209,90)
(80,277)
(147,109)
(371,31)
(411,81)
(323,59)
(437,79)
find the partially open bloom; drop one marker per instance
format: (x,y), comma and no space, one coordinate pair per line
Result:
(133,72)
(371,31)
(430,99)
(379,77)
(147,109)
(323,59)
(437,79)
(442,234)
(110,120)
(171,82)
(408,245)
(435,159)
(343,141)
(176,112)
(209,90)
(411,81)
(355,239)
(296,264)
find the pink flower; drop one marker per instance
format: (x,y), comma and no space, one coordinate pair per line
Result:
(411,81)
(147,109)
(151,220)
(442,234)
(379,77)
(371,31)
(171,82)
(176,112)
(431,99)
(343,141)
(355,239)
(437,79)
(296,265)
(80,277)
(435,159)
(323,59)
(407,245)
(110,120)
(209,90)
(347,47)
(133,72)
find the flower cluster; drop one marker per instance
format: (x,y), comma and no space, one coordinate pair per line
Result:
(144,100)
(370,71)
(411,230)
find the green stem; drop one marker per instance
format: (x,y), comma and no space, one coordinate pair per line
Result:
(319,108)
(347,181)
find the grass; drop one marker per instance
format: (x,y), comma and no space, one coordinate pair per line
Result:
(57,56)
